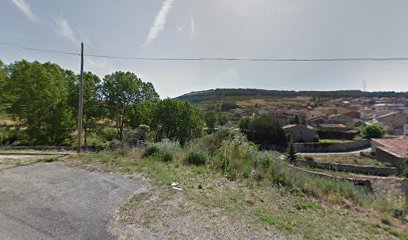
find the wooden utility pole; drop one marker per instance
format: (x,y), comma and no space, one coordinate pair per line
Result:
(80,104)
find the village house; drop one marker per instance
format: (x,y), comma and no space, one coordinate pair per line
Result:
(394,151)
(340,118)
(381,109)
(300,133)
(393,122)
(353,114)
(333,127)
(315,121)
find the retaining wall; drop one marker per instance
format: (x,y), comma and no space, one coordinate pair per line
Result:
(332,147)
(365,183)
(369,170)
(385,156)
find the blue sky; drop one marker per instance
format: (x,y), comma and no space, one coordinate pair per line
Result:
(218,28)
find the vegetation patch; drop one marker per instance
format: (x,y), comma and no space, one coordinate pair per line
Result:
(257,187)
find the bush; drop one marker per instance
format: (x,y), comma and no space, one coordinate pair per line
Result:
(211,143)
(234,154)
(152,150)
(163,151)
(228,106)
(331,134)
(196,157)
(8,135)
(109,134)
(166,156)
(373,131)
(292,156)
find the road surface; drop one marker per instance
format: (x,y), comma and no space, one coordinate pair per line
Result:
(52,201)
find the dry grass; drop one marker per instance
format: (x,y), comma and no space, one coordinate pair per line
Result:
(354,159)
(210,201)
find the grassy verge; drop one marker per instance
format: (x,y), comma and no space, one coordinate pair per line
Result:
(267,194)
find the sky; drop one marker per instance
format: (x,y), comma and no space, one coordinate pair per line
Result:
(218,28)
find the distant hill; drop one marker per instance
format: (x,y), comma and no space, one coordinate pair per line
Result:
(240,93)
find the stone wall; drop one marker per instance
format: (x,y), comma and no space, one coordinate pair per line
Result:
(332,147)
(365,183)
(394,189)
(385,156)
(369,170)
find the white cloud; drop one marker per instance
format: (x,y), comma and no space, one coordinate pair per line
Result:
(100,67)
(25,8)
(159,22)
(192,27)
(64,29)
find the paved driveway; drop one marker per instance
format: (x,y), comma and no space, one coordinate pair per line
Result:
(52,201)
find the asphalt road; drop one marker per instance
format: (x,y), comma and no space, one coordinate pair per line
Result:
(52,201)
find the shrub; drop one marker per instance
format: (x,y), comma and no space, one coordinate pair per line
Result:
(152,150)
(244,124)
(228,106)
(196,157)
(211,143)
(109,134)
(166,156)
(234,154)
(8,135)
(373,131)
(292,156)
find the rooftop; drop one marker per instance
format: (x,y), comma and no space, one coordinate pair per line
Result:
(389,114)
(297,125)
(332,125)
(398,146)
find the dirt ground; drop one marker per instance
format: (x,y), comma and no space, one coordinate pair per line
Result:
(167,214)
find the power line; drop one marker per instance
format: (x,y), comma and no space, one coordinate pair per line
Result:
(352,59)
(38,49)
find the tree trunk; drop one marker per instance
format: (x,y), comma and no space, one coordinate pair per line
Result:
(85,136)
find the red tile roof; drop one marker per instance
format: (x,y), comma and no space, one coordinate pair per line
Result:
(398,146)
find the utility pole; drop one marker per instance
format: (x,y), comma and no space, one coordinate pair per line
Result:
(80,104)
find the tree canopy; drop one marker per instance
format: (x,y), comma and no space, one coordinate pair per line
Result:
(37,98)
(265,131)
(373,131)
(93,109)
(121,91)
(178,121)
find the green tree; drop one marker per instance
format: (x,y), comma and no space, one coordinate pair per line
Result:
(142,114)
(373,131)
(295,120)
(178,121)
(266,131)
(244,124)
(121,92)
(93,110)
(37,98)
(3,79)
(210,121)
(222,119)
(292,155)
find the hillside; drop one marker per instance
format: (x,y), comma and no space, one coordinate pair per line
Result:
(242,94)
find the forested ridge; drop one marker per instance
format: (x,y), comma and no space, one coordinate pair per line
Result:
(217,94)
